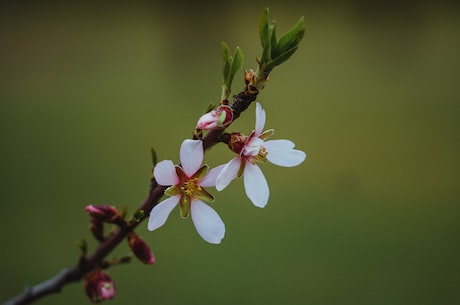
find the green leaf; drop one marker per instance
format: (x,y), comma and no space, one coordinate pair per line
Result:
(263,27)
(292,37)
(273,42)
(225,51)
(227,60)
(236,65)
(265,32)
(280,59)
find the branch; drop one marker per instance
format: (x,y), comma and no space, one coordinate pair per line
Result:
(240,103)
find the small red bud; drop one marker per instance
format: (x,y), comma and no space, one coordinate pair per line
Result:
(103,212)
(140,249)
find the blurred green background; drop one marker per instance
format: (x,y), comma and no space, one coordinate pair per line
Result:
(372,96)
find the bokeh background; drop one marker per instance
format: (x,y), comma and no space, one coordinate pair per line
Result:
(372,96)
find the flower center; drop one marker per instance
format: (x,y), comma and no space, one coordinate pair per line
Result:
(190,187)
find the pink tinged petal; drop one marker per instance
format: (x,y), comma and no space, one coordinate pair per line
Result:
(282,153)
(210,178)
(252,147)
(255,185)
(191,156)
(228,173)
(165,173)
(260,119)
(208,120)
(207,222)
(161,211)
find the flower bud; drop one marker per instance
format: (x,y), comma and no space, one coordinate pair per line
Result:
(237,141)
(140,249)
(99,286)
(220,117)
(103,212)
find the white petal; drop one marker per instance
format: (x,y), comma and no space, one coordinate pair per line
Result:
(282,153)
(255,185)
(228,173)
(252,147)
(260,119)
(161,211)
(210,178)
(207,222)
(165,173)
(191,156)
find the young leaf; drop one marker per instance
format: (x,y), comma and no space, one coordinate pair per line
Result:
(236,64)
(280,59)
(227,60)
(263,27)
(292,37)
(273,42)
(225,50)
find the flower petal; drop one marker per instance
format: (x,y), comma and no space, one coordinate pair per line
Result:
(228,173)
(161,211)
(210,178)
(255,185)
(260,119)
(165,173)
(252,147)
(208,120)
(191,156)
(282,153)
(207,222)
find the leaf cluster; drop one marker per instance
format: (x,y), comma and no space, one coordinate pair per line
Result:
(276,51)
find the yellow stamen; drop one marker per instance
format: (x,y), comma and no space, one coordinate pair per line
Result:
(190,187)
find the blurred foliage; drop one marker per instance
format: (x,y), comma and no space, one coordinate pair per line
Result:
(371,95)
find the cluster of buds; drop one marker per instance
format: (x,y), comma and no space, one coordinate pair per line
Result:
(101,214)
(98,285)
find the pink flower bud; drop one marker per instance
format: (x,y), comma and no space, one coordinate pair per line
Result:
(140,249)
(103,212)
(99,286)
(220,117)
